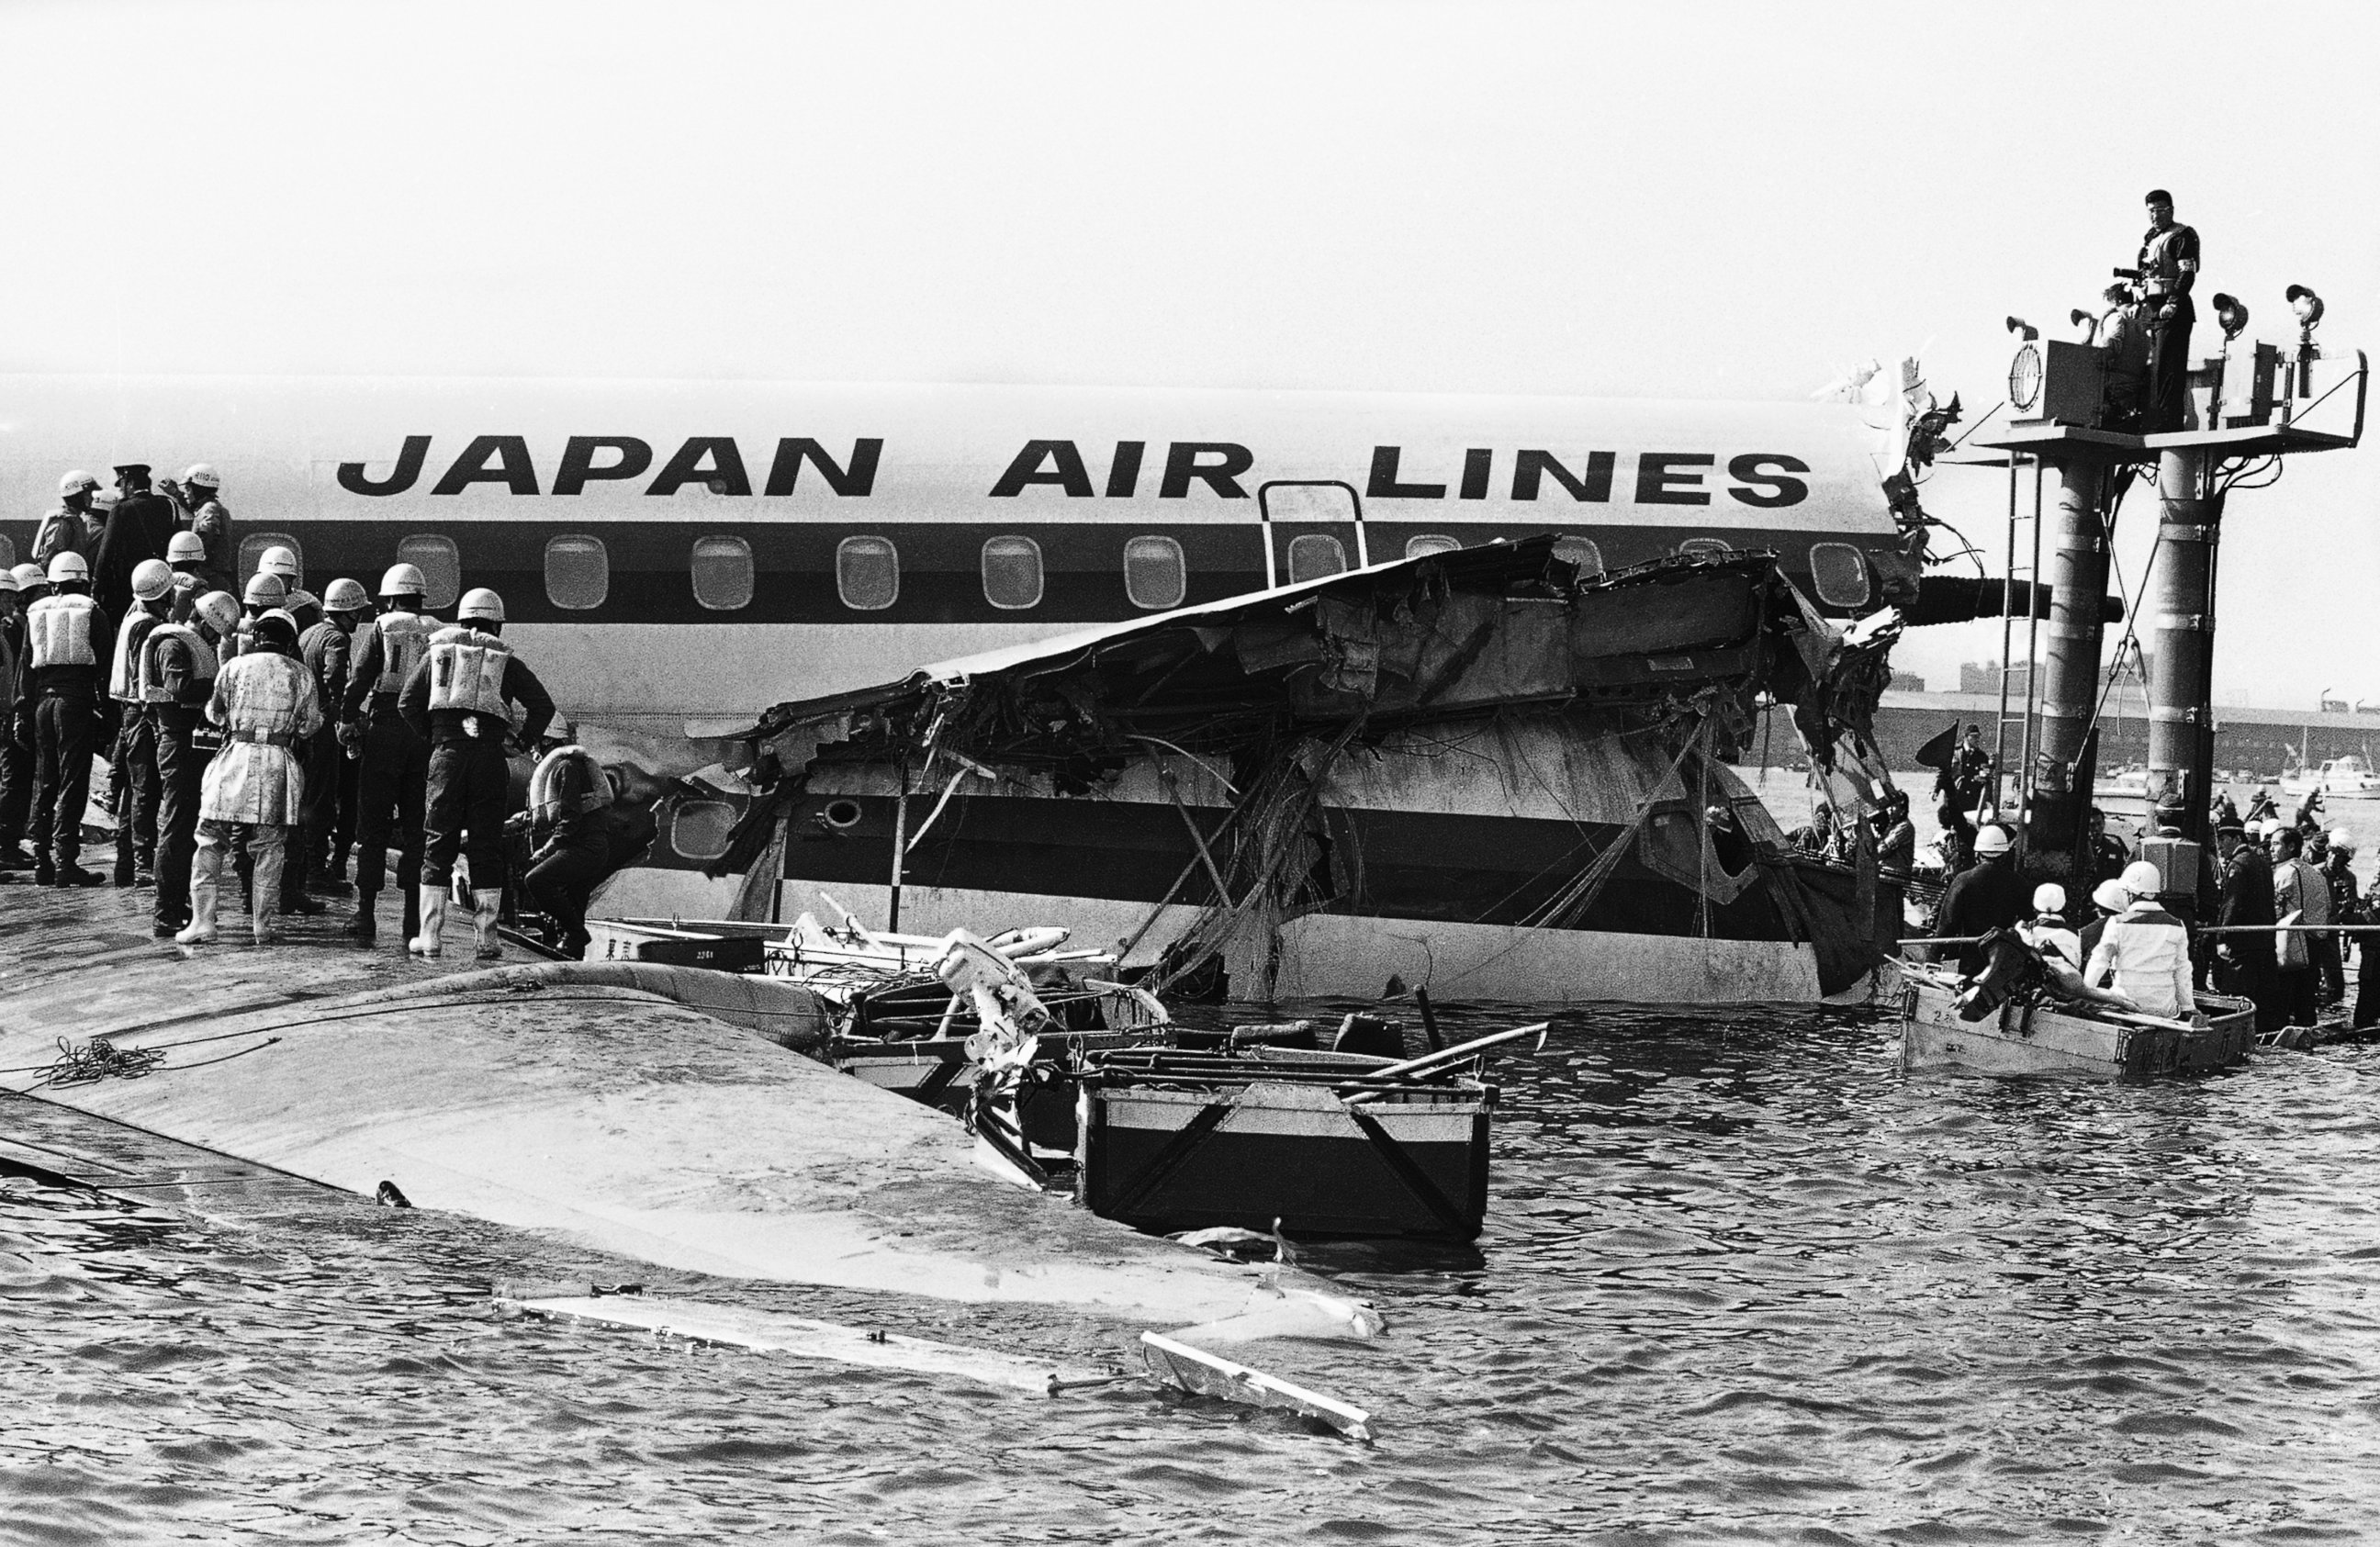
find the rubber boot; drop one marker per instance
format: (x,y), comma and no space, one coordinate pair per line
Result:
(412,924)
(269,870)
(364,929)
(71,873)
(433,923)
(485,906)
(206,883)
(45,873)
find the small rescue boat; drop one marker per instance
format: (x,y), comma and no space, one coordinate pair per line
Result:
(2339,779)
(2025,1033)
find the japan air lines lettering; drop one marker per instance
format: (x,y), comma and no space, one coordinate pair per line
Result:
(1075,470)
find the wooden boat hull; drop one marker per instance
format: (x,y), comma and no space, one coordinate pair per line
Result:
(1414,1163)
(2029,1039)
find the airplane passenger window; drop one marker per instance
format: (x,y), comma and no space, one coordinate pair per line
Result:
(1704,548)
(1840,572)
(1314,555)
(1155,574)
(1416,547)
(701,829)
(577,573)
(440,563)
(252,551)
(1012,572)
(867,572)
(1581,552)
(722,572)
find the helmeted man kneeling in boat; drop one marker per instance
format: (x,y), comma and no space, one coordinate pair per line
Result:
(2145,952)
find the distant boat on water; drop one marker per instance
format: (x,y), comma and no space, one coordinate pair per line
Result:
(2347,777)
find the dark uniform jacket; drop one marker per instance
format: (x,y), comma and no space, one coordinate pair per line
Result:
(141,527)
(2248,899)
(1987,895)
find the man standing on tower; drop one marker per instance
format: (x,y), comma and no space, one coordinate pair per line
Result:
(2168,268)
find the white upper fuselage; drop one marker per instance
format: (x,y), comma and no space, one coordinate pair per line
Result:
(679,551)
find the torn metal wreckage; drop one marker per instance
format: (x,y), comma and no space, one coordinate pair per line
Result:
(1477,771)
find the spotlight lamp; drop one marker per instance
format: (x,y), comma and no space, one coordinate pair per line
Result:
(2308,307)
(2019,325)
(2231,315)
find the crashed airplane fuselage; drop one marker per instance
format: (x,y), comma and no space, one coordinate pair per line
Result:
(1477,771)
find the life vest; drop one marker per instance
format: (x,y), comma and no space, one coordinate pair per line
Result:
(57,631)
(404,640)
(568,781)
(124,670)
(203,661)
(466,672)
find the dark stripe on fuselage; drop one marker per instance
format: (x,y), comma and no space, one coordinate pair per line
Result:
(1428,867)
(940,562)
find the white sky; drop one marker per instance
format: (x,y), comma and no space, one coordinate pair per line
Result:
(1660,200)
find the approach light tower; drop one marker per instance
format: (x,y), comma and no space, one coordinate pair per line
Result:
(2251,403)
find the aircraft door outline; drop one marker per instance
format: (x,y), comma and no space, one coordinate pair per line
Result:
(1297,508)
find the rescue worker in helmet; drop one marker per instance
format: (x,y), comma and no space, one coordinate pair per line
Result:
(327,650)
(2144,953)
(185,555)
(70,527)
(263,594)
(133,756)
(177,680)
(265,702)
(568,826)
(1982,898)
(15,764)
(456,700)
(140,528)
(393,763)
(59,714)
(2168,266)
(197,496)
(2046,931)
(302,605)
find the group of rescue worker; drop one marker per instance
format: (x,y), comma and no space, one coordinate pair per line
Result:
(2275,893)
(238,728)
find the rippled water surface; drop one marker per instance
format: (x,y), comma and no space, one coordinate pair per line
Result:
(1742,1281)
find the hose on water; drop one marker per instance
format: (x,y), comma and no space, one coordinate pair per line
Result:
(87,1063)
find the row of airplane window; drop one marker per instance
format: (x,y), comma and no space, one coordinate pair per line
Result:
(867,569)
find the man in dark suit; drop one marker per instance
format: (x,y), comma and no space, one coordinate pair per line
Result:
(2247,967)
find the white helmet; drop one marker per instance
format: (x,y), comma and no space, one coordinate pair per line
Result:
(2110,895)
(185,547)
(280,619)
(151,578)
(76,482)
(2142,879)
(266,590)
(343,594)
(219,612)
(67,566)
(279,561)
(1993,840)
(2341,838)
(2049,898)
(403,580)
(481,602)
(204,475)
(28,575)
